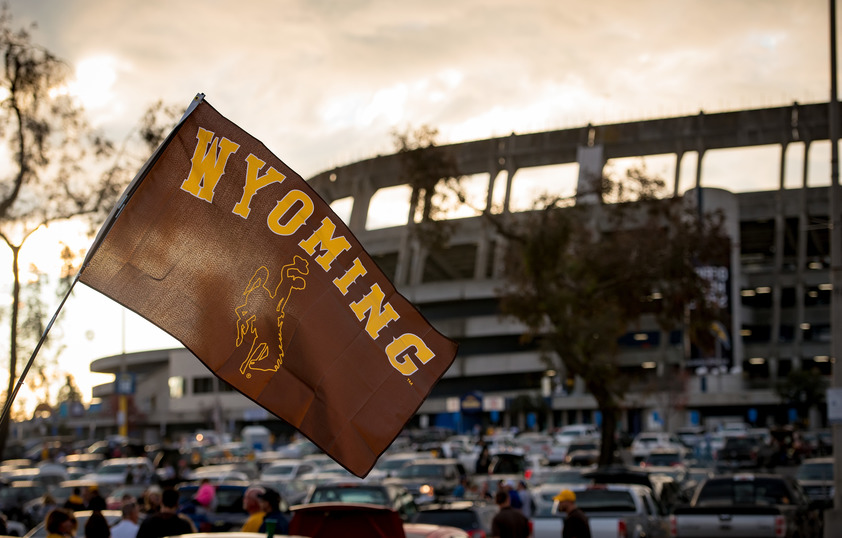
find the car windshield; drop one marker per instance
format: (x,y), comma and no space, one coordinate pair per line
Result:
(463,519)
(350,495)
(815,471)
(412,471)
(280,469)
(658,460)
(390,465)
(564,477)
(113,469)
(757,491)
(604,500)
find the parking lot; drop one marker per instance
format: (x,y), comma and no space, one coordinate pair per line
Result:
(655,486)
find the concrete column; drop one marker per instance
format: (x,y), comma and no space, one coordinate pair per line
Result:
(777,289)
(800,287)
(677,178)
(362,193)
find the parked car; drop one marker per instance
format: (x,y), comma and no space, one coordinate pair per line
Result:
(752,504)
(583,451)
(472,517)
(222,472)
(745,452)
(612,510)
(560,474)
(396,497)
(14,499)
(286,469)
(357,520)
(645,442)
(509,463)
(567,434)
(429,479)
(815,475)
(691,436)
(114,471)
(390,464)
(664,457)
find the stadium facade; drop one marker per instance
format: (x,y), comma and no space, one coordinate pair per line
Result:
(777,284)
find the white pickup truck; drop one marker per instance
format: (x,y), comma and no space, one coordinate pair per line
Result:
(747,506)
(613,510)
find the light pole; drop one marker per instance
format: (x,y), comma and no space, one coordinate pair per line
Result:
(833,517)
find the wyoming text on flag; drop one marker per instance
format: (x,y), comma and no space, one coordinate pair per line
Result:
(224,247)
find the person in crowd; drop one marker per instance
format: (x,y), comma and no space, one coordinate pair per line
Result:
(60,523)
(483,460)
(576,523)
(128,525)
(75,501)
(508,522)
(167,522)
(270,504)
(95,499)
(97,525)
(252,505)
(206,494)
(527,504)
(152,500)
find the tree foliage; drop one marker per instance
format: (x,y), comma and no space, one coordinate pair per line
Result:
(58,168)
(802,389)
(584,271)
(582,275)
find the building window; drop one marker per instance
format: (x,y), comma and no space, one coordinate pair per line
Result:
(176,384)
(226,387)
(202,385)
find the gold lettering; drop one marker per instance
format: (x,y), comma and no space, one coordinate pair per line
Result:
(355,271)
(333,246)
(378,317)
(207,166)
(255,183)
(402,347)
(285,204)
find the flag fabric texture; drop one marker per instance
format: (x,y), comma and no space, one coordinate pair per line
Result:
(223,246)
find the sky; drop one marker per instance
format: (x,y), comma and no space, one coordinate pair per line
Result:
(323,83)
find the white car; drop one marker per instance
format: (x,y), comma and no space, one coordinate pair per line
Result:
(287,470)
(572,431)
(645,442)
(115,470)
(567,435)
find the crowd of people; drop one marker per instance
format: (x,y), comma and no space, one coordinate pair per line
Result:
(158,514)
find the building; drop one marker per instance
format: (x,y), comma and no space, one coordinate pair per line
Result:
(777,282)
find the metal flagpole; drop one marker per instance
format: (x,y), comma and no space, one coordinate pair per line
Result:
(11,397)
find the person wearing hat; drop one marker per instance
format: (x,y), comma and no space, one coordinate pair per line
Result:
(576,523)
(508,522)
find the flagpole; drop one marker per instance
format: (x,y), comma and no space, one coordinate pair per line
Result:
(8,406)
(115,212)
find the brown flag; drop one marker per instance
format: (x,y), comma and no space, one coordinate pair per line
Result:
(224,247)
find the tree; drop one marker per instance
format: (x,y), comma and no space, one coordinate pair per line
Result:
(802,390)
(582,275)
(60,167)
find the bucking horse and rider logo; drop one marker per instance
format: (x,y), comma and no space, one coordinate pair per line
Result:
(258,297)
